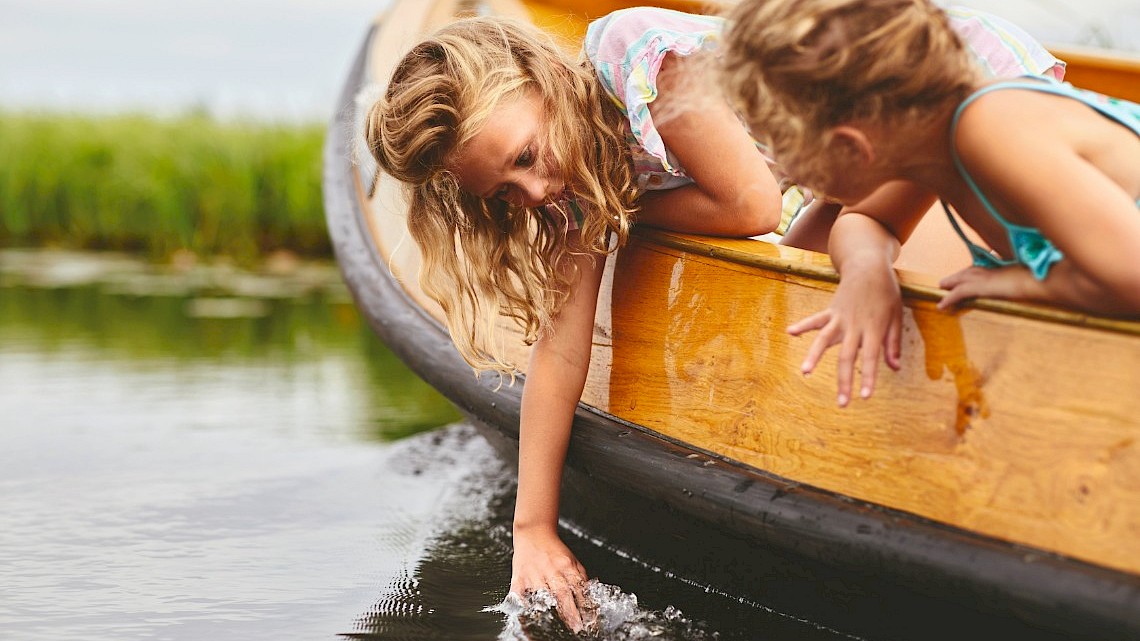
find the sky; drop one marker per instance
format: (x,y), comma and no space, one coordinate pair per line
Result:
(280,59)
(286,59)
(1102,23)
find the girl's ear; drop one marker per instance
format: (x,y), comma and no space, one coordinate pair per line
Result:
(853,143)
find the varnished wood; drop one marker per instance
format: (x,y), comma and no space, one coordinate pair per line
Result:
(1110,73)
(1012,421)
(1023,429)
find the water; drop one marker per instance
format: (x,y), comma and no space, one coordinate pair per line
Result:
(170,475)
(286,60)
(213,454)
(178,461)
(206,453)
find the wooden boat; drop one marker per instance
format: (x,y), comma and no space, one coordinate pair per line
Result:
(1002,463)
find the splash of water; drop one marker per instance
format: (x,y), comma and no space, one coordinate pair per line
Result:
(616,616)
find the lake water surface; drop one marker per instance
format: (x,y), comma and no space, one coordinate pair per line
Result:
(178,462)
(213,454)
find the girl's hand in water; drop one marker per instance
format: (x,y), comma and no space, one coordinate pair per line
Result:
(543,562)
(865,314)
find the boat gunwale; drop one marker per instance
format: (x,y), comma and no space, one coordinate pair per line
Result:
(771,509)
(914,286)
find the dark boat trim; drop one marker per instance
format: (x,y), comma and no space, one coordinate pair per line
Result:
(1048,590)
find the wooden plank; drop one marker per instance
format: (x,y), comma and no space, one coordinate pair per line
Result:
(1014,421)
(1108,72)
(1022,429)
(968,427)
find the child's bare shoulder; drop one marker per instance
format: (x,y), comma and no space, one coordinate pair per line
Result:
(990,121)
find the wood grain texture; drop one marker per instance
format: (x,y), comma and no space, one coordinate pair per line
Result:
(1014,421)
(1107,72)
(1022,429)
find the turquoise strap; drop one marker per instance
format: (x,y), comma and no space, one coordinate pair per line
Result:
(981,256)
(1030,248)
(954,128)
(1121,111)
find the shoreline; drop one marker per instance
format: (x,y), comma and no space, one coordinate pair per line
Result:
(278,275)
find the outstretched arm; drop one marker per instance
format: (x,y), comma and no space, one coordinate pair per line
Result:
(555,378)
(866,312)
(734,192)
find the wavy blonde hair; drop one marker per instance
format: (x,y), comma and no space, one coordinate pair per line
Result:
(483,259)
(797,68)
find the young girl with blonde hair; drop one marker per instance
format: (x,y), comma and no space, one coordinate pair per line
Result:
(854,94)
(523,168)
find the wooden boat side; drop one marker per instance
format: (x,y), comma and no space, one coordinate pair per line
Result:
(984,443)
(1016,426)
(1110,73)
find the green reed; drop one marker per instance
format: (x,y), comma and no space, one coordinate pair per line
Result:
(155,186)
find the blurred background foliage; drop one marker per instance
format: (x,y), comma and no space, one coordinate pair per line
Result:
(156,186)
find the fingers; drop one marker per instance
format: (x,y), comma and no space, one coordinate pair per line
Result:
(824,322)
(958,294)
(822,342)
(567,595)
(879,338)
(813,322)
(893,343)
(567,602)
(961,286)
(870,368)
(587,609)
(845,367)
(571,603)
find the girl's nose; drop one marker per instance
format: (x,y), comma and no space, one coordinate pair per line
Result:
(533,190)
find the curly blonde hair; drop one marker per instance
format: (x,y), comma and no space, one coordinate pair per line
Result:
(483,259)
(797,68)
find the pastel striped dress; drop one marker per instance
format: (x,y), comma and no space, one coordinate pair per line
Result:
(627,47)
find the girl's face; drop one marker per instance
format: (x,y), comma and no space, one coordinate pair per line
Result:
(846,170)
(507,159)
(841,183)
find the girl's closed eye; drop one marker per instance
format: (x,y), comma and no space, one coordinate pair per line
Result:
(525,160)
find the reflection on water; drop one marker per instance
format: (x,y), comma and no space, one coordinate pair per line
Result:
(181,462)
(178,477)
(294,338)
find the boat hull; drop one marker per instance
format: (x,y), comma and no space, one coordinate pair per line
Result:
(1000,465)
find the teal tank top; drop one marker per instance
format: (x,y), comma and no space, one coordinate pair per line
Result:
(1029,247)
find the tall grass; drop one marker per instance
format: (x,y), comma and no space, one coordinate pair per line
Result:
(155,186)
